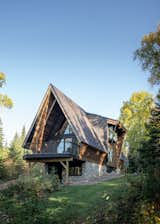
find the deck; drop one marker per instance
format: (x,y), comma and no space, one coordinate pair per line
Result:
(48,157)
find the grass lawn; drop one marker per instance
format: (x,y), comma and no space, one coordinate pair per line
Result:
(72,204)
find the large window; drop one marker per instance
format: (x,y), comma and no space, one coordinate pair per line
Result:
(65,145)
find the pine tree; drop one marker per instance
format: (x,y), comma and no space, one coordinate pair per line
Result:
(150,155)
(23,134)
(15,146)
(16,152)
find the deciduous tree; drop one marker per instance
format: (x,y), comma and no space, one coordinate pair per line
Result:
(4,99)
(134,114)
(149,55)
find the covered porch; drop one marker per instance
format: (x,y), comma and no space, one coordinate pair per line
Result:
(50,158)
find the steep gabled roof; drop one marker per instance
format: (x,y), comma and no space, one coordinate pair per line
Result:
(90,129)
(78,120)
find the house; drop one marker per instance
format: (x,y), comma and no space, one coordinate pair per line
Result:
(75,142)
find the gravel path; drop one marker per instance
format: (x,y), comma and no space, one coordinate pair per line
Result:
(96,180)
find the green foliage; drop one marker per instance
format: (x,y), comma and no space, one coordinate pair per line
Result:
(5,101)
(11,158)
(3,160)
(134,114)
(2,79)
(150,156)
(149,55)
(70,205)
(26,201)
(16,154)
(130,206)
(124,207)
(37,182)
(118,201)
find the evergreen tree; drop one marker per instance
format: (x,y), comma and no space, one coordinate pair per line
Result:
(23,134)
(15,147)
(16,152)
(150,155)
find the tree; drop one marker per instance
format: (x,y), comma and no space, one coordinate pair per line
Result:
(4,99)
(150,154)
(1,135)
(16,152)
(23,134)
(134,114)
(149,55)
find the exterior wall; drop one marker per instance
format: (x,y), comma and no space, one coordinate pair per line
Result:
(89,154)
(116,147)
(119,148)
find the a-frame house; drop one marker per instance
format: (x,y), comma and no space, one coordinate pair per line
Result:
(65,136)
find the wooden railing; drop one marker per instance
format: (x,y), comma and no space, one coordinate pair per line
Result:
(51,147)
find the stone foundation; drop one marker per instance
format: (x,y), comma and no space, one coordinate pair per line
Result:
(89,171)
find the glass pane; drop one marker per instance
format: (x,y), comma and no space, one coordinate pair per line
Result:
(68,144)
(112,134)
(60,148)
(68,130)
(110,155)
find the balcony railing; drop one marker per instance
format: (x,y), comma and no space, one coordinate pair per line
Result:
(54,147)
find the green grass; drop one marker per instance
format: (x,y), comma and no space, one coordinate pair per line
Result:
(72,204)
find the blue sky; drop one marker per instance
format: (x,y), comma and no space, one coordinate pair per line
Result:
(85,48)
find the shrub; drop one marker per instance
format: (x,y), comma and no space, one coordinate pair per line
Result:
(124,208)
(24,202)
(38,181)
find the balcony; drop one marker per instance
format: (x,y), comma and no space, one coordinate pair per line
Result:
(52,151)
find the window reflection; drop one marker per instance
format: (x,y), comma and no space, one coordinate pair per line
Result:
(68,144)
(68,130)
(112,134)
(110,155)
(65,145)
(60,148)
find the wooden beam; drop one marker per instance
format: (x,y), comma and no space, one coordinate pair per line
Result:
(50,110)
(65,167)
(37,114)
(39,130)
(67,171)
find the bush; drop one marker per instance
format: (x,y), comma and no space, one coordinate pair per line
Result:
(124,206)
(25,202)
(38,182)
